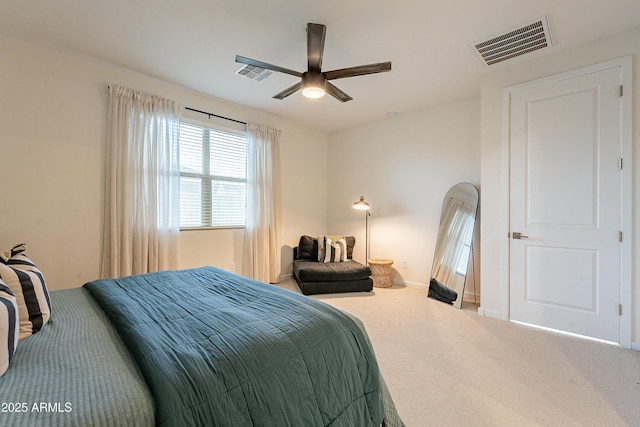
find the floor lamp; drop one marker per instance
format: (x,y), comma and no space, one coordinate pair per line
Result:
(361,205)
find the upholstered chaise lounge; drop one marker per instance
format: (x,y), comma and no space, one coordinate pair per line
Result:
(319,277)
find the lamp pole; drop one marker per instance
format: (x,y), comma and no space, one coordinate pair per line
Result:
(362,205)
(366,232)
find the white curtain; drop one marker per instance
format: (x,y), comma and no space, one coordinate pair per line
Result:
(142,208)
(453,230)
(261,258)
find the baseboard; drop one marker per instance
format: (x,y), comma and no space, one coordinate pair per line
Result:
(470,297)
(284,277)
(635,345)
(490,313)
(411,284)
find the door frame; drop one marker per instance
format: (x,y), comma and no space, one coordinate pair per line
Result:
(625,65)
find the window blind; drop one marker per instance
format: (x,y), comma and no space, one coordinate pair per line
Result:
(213,176)
(463,261)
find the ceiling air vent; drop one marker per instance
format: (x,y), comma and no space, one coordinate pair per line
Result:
(527,38)
(254,73)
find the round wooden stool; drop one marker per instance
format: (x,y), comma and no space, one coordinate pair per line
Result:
(381,272)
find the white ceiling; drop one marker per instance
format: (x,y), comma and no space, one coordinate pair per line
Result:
(193,43)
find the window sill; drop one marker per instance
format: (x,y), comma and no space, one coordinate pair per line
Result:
(225,227)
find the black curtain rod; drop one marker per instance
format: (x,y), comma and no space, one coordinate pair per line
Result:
(215,115)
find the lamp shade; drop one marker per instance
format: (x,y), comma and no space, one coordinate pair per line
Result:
(361,205)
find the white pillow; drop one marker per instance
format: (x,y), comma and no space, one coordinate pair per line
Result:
(9,326)
(335,251)
(29,287)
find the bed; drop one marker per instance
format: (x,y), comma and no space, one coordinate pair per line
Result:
(194,347)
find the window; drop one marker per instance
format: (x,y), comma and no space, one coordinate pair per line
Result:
(463,261)
(213,176)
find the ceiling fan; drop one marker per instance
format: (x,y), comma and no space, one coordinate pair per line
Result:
(314,81)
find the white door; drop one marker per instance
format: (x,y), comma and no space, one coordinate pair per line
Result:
(565,201)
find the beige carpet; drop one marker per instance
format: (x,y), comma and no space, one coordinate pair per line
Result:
(449,367)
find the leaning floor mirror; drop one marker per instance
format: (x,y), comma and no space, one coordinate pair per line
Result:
(454,245)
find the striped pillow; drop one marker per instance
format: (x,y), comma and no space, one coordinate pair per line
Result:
(27,284)
(321,252)
(9,326)
(335,251)
(322,245)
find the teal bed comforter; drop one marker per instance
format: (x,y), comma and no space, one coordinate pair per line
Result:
(217,349)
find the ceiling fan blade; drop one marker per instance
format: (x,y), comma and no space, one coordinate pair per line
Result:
(266,66)
(315,46)
(360,70)
(337,93)
(288,91)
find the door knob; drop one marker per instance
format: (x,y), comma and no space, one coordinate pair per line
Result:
(517,235)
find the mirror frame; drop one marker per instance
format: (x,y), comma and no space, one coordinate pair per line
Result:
(454,244)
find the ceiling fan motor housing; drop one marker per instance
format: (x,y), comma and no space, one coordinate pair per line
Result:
(314,79)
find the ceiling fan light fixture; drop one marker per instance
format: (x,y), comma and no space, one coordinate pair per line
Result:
(313,92)
(313,85)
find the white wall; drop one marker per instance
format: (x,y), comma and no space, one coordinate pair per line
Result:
(403,166)
(53,109)
(493,175)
